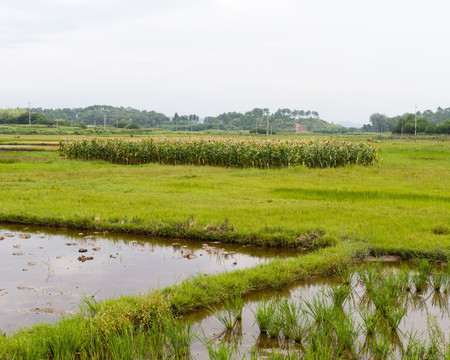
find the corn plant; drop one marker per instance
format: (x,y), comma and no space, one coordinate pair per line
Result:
(236,153)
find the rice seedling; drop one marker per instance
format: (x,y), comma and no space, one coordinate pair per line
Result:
(439,280)
(420,282)
(226,318)
(296,324)
(322,312)
(264,315)
(370,319)
(338,294)
(346,333)
(222,152)
(231,313)
(346,274)
(275,326)
(404,278)
(180,337)
(424,267)
(222,351)
(394,316)
(369,276)
(236,305)
(380,348)
(319,347)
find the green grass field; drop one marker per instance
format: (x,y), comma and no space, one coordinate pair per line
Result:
(400,206)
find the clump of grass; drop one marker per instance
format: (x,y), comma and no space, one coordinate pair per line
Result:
(369,275)
(394,316)
(424,267)
(439,280)
(88,306)
(441,229)
(346,333)
(232,312)
(338,294)
(222,351)
(370,320)
(264,315)
(380,347)
(322,312)
(420,282)
(296,324)
(345,274)
(180,337)
(404,278)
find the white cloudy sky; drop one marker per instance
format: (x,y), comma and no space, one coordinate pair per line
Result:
(344,58)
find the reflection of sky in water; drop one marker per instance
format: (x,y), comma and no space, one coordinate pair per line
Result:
(247,333)
(122,266)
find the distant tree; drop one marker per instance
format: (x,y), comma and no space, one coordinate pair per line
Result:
(408,123)
(133,125)
(378,122)
(121,124)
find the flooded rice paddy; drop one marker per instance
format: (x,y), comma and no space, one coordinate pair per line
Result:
(44,273)
(330,329)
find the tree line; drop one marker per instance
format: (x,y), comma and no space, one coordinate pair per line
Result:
(427,122)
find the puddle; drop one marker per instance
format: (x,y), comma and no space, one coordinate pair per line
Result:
(28,147)
(247,337)
(44,273)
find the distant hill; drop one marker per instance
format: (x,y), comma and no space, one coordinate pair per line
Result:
(281,120)
(98,115)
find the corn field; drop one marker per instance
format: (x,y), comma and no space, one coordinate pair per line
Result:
(236,153)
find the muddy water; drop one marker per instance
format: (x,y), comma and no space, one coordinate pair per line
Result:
(247,336)
(44,273)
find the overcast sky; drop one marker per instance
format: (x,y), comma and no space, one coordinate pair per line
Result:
(345,59)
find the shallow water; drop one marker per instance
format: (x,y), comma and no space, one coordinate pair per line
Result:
(44,276)
(246,334)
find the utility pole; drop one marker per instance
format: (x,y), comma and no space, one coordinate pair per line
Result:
(415,121)
(267,122)
(104,122)
(402,126)
(29,113)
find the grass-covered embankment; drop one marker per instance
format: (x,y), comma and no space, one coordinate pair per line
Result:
(96,331)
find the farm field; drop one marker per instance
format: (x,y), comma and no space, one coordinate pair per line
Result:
(400,207)
(397,206)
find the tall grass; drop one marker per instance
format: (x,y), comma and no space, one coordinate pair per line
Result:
(222,152)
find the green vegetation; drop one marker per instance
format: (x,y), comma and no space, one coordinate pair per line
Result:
(399,206)
(322,325)
(222,152)
(428,122)
(93,333)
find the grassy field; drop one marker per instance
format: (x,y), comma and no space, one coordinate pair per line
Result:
(400,206)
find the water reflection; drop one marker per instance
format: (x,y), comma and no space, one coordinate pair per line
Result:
(44,273)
